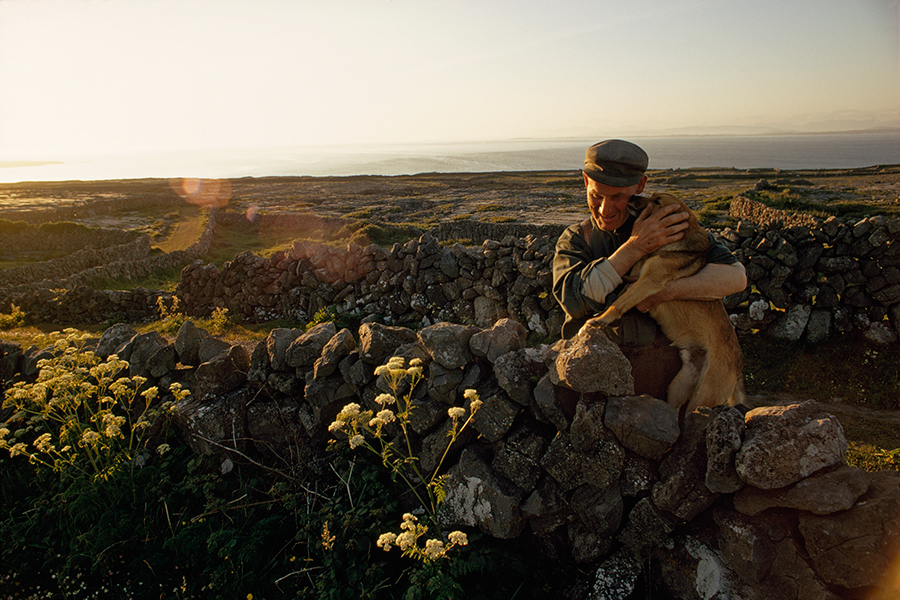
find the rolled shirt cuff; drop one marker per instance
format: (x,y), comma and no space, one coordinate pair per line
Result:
(601,279)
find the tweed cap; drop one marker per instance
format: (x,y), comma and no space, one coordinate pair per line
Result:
(616,163)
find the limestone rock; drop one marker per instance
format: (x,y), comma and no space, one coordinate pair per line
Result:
(784,444)
(476,497)
(337,349)
(822,493)
(599,512)
(277,343)
(517,372)
(519,458)
(443,383)
(222,374)
(505,336)
(378,342)
(723,440)
(681,489)
(448,343)
(767,556)
(148,354)
(590,362)
(546,396)
(571,468)
(113,338)
(858,547)
(495,416)
(791,325)
(643,424)
(306,348)
(646,527)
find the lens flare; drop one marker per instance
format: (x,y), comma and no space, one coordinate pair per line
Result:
(209,193)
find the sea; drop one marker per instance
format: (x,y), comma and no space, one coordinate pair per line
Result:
(786,152)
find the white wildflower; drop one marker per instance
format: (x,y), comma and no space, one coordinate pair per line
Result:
(385,540)
(357,440)
(456,412)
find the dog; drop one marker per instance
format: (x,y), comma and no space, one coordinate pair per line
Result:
(712,362)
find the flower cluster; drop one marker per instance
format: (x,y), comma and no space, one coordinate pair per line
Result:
(86,415)
(408,541)
(365,428)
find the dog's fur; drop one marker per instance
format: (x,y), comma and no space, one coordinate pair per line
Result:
(712,362)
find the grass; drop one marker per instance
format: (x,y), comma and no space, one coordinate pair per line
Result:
(847,368)
(796,200)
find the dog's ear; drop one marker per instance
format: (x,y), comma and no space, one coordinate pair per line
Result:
(637,204)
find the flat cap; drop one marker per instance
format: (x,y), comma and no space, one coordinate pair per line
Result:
(616,163)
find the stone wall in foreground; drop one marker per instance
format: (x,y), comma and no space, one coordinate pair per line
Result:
(726,502)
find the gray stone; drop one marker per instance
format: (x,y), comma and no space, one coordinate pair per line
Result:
(784,444)
(518,371)
(723,440)
(519,458)
(599,512)
(590,362)
(615,578)
(821,493)
(378,342)
(259,364)
(206,422)
(476,497)
(448,344)
(643,424)
(222,374)
(646,527)
(277,343)
(571,468)
(791,325)
(307,347)
(818,329)
(113,338)
(187,343)
(638,475)
(495,416)
(143,347)
(766,555)
(681,489)
(548,403)
(859,547)
(504,336)
(443,383)
(337,349)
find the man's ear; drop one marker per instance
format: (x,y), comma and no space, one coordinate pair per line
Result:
(640,186)
(586,179)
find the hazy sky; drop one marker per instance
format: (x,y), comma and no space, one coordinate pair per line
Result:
(126,75)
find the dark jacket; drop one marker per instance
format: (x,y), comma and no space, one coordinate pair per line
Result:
(575,258)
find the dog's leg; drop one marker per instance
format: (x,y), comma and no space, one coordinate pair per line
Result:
(651,281)
(719,379)
(682,386)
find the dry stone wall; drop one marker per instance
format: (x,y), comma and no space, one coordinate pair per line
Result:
(726,502)
(808,278)
(60,292)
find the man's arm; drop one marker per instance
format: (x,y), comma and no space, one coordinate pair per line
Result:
(713,282)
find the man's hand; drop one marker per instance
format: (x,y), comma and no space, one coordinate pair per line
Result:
(653,231)
(650,233)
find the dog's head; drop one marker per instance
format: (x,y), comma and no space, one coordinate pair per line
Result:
(637,204)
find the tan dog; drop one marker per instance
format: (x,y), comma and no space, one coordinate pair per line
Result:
(712,362)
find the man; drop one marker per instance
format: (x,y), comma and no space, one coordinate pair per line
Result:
(594,257)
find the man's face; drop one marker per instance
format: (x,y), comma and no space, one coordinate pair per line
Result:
(609,205)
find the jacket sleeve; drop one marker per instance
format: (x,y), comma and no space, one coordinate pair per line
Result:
(581,279)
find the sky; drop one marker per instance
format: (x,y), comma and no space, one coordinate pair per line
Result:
(107,76)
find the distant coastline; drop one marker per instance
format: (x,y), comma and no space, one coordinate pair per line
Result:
(759,151)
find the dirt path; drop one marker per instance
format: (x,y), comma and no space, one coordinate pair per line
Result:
(186,231)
